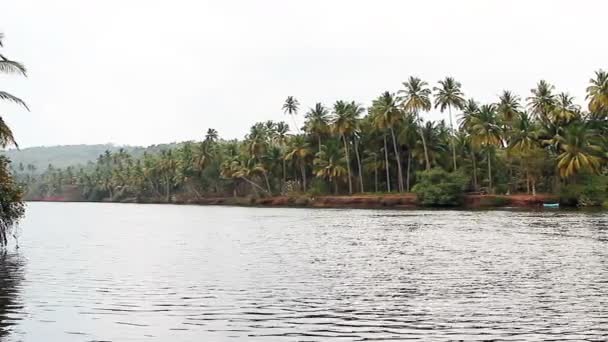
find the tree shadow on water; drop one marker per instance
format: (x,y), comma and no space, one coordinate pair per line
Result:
(11,278)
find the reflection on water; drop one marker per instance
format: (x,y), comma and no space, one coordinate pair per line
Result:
(11,275)
(108,272)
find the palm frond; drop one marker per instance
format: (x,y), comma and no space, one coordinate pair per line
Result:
(6,135)
(8,97)
(11,67)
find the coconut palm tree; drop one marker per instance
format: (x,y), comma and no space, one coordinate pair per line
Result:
(356,111)
(317,122)
(508,106)
(386,115)
(597,94)
(8,66)
(415,98)
(486,132)
(564,109)
(449,95)
(524,140)
(290,107)
(298,151)
(329,163)
(344,123)
(580,151)
(542,101)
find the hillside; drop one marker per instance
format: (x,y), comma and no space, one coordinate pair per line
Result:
(71,155)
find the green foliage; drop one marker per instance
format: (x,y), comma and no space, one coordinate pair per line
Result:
(589,190)
(500,146)
(437,187)
(318,187)
(11,205)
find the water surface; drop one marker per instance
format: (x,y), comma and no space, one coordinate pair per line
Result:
(122,272)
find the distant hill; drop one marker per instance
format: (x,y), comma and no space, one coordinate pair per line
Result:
(67,155)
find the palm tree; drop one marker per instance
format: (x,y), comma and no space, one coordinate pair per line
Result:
(597,93)
(356,111)
(212,135)
(317,122)
(8,66)
(486,132)
(564,109)
(580,151)
(524,141)
(508,106)
(344,123)
(290,107)
(542,101)
(298,150)
(386,115)
(329,164)
(447,96)
(416,97)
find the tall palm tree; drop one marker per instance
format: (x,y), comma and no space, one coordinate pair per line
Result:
(212,135)
(508,106)
(449,95)
(542,101)
(565,110)
(416,97)
(290,107)
(298,150)
(580,151)
(344,122)
(329,164)
(317,122)
(597,93)
(8,66)
(356,111)
(387,115)
(486,132)
(524,141)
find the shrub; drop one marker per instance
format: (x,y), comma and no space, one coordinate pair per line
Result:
(588,191)
(437,187)
(318,187)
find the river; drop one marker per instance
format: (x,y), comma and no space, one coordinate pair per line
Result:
(128,272)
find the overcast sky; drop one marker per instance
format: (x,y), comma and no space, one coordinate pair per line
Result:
(141,72)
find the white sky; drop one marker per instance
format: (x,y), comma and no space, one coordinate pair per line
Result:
(141,72)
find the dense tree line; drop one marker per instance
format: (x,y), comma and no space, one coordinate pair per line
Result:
(539,142)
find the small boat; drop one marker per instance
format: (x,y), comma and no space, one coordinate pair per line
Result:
(550,205)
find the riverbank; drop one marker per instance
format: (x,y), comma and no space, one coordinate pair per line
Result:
(363,201)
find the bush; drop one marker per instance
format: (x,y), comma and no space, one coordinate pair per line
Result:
(588,191)
(318,187)
(436,187)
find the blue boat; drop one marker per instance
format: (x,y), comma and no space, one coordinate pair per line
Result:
(550,205)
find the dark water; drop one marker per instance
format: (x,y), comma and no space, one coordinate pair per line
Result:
(111,272)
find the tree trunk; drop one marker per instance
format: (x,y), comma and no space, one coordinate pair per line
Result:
(284,174)
(452,138)
(533,187)
(350,181)
(375,173)
(409,164)
(167,190)
(398,158)
(527,181)
(303,171)
(474,171)
(267,183)
(361,188)
(319,141)
(490,171)
(386,166)
(426,152)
